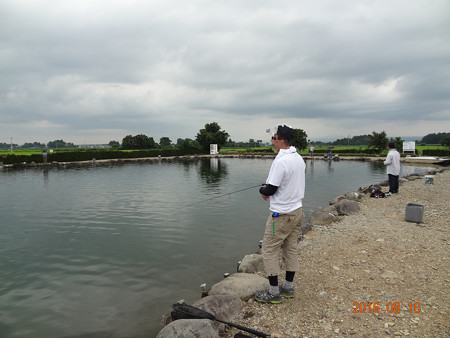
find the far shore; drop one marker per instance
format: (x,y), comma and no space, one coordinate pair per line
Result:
(94,162)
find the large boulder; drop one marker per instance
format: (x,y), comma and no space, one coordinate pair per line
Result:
(189,328)
(242,285)
(353,196)
(251,264)
(346,207)
(324,216)
(331,209)
(223,307)
(412,177)
(337,199)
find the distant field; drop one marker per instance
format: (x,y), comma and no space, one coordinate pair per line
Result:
(336,149)
(322,149)
(267,149)
(246,150)
(20,151)
(39,151)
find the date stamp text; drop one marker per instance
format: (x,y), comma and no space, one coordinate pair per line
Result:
(362,307)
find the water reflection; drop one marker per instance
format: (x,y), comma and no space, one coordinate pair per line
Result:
(376,165)
(45,175)
(212,170)
(330,168)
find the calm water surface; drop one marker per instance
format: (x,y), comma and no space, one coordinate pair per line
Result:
(104,251)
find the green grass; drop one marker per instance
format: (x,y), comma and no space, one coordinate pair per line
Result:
(262,150)
(323,149)
(421,148)
(20,151)
(33,151)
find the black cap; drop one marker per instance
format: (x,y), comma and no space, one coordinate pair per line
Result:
(285,132)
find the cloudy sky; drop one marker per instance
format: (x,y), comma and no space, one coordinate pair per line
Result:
(92,71)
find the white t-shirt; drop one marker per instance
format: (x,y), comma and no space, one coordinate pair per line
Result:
(288,174)
(393,162)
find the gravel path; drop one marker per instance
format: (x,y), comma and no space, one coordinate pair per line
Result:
(371,273)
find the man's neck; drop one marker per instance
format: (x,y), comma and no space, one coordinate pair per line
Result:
(283,147)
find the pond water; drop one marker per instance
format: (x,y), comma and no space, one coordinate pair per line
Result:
(104,251)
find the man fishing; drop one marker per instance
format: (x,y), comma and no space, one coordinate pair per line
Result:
(285,188)
(392,164)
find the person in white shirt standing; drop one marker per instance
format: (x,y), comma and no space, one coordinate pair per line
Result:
(393,167)
(285,188)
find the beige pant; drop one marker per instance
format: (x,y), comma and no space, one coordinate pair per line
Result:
(282,233)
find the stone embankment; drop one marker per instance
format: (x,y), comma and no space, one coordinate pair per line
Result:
(365,272)
(97,162)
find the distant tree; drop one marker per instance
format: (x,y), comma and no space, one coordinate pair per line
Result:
(299,139)
(127,142)
(398,143)
(319,143)
(188,144)
(114,144)
(230,143)
(446,141)
(57,144)
(211,134)
(165,142)
(378,141)
(354,141)
(434,138)
(33,145)
(140,141)
(252,143)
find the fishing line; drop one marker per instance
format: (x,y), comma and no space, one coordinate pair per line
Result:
(223,195)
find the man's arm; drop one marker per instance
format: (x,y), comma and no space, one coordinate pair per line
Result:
(388,159)
(268,190)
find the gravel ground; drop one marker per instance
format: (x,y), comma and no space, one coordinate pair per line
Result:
(371,273)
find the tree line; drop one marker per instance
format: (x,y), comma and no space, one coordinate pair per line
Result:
(213,134)
(365,140)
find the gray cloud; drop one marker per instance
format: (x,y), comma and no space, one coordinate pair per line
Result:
(95,71)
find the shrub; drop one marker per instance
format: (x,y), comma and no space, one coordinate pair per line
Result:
(436,152)
(87,155)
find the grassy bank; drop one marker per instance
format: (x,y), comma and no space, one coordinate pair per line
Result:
(73,155)
(83,154)
(342,150)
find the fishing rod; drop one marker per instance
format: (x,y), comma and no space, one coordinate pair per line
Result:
(223,195)
(184,311)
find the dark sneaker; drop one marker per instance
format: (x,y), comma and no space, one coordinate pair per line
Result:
(267,297)
(286,293)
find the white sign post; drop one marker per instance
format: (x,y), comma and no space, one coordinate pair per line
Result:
(409,146)
(213,149)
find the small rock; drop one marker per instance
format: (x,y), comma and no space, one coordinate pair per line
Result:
(430,301)
(389,274)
